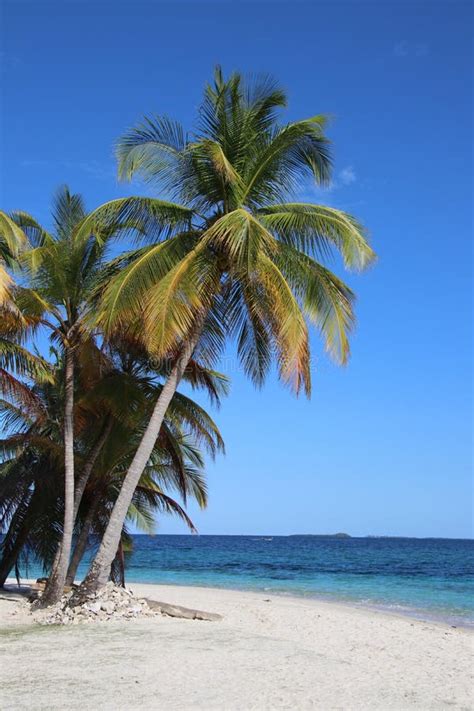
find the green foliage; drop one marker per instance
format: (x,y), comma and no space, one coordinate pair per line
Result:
(32,454)
(116,385)
(232,243)
(226,245)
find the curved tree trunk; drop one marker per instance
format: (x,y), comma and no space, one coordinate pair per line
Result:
(10,551)
(10,557)
(83,478)
(99,571)
(55,586)
(81,483)
(82,540)
(117,574)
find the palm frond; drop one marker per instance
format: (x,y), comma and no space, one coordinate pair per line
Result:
(124,294)
(136,216)
(152,148)
(68,211)
(287,155)
(170,309)
(325,299)
(316,229)
(288,325)
(12,241)
(238,237)
(36,235)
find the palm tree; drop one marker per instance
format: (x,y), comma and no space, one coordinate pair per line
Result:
(31,474)
(174,460)
(229,252)
(177,464)
(62,267)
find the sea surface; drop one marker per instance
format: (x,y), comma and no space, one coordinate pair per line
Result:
(428,578)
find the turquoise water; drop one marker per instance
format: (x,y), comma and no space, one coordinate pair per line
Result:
(431,578)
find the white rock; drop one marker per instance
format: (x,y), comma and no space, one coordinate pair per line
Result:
(108,606)
(93,607)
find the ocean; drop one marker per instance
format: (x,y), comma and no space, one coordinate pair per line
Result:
(428,578)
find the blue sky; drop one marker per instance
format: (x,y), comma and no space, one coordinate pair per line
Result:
(384,446)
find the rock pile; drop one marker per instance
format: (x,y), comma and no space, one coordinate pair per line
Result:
(108,604)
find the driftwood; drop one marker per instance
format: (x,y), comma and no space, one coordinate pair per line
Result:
(185,612)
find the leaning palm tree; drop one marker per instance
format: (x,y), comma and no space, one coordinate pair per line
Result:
(31,473)
(115,388)
(174,464)
(229,252)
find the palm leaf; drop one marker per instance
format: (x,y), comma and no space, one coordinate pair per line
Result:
(126,292)
(286,155)
(289,329)
(136,216)
(325,299)
(316,228)
(151,148)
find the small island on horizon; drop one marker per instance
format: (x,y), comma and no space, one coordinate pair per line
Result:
(319,535)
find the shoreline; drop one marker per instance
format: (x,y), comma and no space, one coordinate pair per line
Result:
(267,652)
(452,622)
(380,608)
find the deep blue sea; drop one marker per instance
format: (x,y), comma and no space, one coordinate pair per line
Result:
(430,578)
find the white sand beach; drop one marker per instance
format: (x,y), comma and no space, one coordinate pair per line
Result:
(268,652)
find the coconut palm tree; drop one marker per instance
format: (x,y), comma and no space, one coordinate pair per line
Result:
(175,464)
(31,474)
(61,267)
(33,510)
(229,252)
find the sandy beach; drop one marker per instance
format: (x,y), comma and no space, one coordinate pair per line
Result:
(267,652)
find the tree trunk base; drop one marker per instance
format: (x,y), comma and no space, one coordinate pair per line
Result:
(92,583)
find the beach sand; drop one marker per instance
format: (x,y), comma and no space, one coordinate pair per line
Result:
(268,652)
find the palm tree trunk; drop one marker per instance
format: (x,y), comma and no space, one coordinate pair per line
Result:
(99,571)
(55,587)
(20,522)
(10,557)
(83,478)
(82,540)
(118,567)
(81,483)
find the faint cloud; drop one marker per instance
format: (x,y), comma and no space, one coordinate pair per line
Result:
(93,168)
(401,49)
(347,175)
(8,62)
(404,48)
(343,179)
(32,163)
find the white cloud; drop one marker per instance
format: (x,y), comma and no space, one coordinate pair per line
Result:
(8,62)
(403,48)
(330,195)
(347,175)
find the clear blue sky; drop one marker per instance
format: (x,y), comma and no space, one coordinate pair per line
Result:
(384,446)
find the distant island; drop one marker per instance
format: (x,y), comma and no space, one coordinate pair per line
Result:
(320,535)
